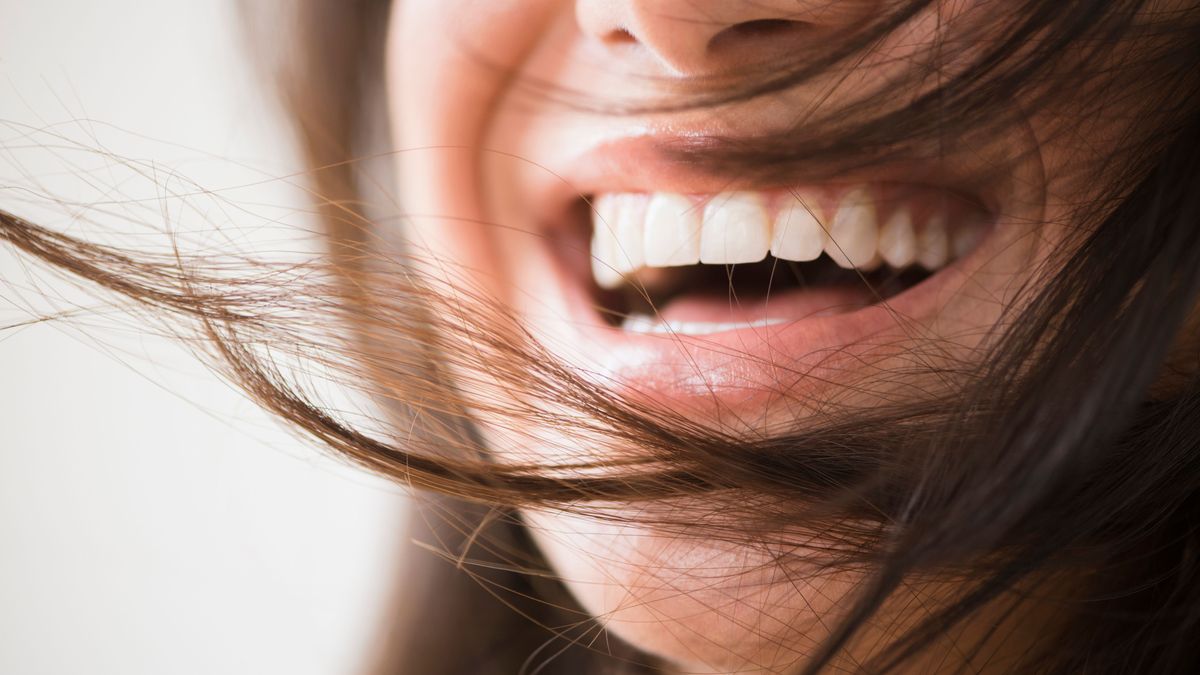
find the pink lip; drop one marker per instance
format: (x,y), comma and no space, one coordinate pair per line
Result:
(739,361)
(744,368)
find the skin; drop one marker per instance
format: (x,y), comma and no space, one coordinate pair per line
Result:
(479,156)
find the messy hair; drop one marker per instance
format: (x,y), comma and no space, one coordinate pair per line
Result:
(1067,448)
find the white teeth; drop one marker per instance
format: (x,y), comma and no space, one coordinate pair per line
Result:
(647,325)
(640,323)
(735,229)
(617,237)
(933,243)
(964,239)
(897,240)
(631,218)
(604,244)
(672,231)
(873,264)
(634,231)
(853,233)
(799,231)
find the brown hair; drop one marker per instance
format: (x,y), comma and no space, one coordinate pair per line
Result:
(1084,470)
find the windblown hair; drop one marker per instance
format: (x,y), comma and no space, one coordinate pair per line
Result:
(1072,447)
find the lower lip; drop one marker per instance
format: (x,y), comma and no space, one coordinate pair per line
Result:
(738,366)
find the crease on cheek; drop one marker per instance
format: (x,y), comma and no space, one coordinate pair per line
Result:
(448,63)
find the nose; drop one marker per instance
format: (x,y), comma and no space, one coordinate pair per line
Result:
(706,37)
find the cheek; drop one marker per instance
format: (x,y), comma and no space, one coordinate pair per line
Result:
(696,603)
(446,66)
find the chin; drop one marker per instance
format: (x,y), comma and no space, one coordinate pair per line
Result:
(702,606)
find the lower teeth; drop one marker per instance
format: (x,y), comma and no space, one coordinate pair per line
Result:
(643,324)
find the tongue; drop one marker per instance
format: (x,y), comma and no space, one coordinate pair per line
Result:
(785,305)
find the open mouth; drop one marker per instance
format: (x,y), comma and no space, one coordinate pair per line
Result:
(666,263)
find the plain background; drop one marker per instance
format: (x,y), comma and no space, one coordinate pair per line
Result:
(152,521)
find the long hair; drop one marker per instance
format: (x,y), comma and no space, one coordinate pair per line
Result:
(1063,452)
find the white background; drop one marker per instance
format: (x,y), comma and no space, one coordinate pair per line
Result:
(152,521)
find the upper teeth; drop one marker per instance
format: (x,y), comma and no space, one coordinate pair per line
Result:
(635,230)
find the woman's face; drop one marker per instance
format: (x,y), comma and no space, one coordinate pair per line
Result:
(876,280)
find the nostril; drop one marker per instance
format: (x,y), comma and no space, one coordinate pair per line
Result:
(619,36)
(765,27)
(762,37)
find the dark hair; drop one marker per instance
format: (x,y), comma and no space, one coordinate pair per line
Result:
(1070,451)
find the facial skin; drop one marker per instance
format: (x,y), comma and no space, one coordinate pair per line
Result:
(487,172)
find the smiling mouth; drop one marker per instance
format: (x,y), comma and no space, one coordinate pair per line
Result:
(675,264)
